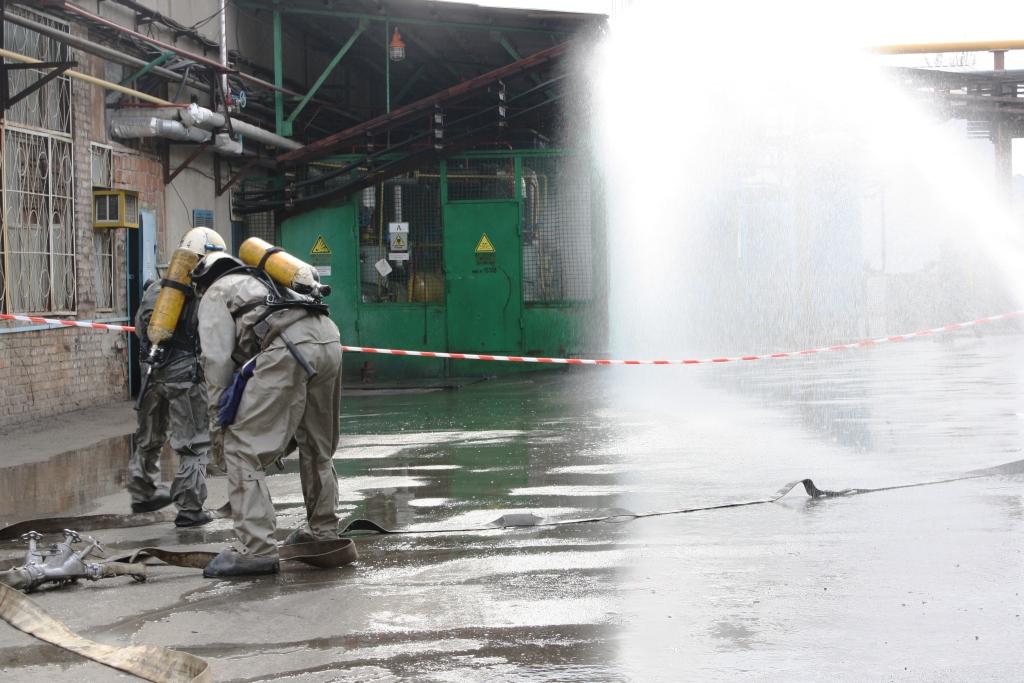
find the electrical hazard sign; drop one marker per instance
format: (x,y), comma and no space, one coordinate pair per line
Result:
(486,254)
(484,246)
(398,242)
(320,247)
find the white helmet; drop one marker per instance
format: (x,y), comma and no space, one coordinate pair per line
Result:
(211,267)
(202,241)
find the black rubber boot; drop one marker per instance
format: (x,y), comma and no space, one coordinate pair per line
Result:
(160,499)
(230,562)
(300,535)
(193,518)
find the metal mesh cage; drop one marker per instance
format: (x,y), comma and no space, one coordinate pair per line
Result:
(557,231)
(260,224)
(404,237)
(481,179)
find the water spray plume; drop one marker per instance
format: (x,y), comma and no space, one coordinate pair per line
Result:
(769,183)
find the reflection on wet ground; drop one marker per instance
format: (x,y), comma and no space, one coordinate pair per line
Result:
(918,584)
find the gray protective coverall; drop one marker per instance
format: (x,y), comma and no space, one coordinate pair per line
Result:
(175,399)
(280,403)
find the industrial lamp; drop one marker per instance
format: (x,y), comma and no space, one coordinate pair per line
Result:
(397,47)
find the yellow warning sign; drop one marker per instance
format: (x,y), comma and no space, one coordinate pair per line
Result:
(484,246)
(320,247)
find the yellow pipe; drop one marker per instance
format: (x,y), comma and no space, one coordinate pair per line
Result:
(99,82)
(966,46)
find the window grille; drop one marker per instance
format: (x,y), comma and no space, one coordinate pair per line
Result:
(102,165)
(557,230)
(49,108)
(101,157)
(103,244)
(37,238)
(39,226)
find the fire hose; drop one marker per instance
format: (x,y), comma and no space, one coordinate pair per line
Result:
(165,665)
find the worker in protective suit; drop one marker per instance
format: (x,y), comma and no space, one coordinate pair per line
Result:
(288,350)
(174,400)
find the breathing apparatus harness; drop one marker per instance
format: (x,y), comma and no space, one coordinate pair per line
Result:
(280,301)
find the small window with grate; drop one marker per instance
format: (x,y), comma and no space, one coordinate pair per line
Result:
(202,218)
(102,165)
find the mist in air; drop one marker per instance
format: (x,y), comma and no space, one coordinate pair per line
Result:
(770,184)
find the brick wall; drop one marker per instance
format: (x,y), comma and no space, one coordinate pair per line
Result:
(46,372)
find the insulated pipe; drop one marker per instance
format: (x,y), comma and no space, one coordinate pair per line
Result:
(99,82)
(247,129)
(225,93)
(194,115)
(153,127)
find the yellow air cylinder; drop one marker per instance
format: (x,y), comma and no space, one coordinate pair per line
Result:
(171,300)
(282,267)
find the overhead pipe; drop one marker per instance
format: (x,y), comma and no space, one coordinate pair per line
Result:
(193,115)
(267,85)
(132,126)
(246,129)
(99,82)
(89,46)
(199,59)
(965,46)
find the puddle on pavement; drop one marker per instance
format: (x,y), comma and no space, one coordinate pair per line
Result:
(748,589)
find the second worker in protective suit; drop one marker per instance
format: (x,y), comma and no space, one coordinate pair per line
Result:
(173,400)
(290,350)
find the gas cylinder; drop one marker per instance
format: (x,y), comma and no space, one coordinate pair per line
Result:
(171,300)
(282,267)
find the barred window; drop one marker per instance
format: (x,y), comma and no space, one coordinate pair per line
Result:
(37,239)
(103,240)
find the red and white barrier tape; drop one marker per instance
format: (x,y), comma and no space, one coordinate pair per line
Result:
(588,361)
(67,323)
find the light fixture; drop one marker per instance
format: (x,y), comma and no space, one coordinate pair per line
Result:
(397,47)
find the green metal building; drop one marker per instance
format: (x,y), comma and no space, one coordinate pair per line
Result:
(447,218)
(502,255)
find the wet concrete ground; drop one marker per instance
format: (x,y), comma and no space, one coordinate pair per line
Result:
(914,584)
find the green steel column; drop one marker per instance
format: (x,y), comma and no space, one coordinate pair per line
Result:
(443,173)
(279,77)
(163,57)
(387,66)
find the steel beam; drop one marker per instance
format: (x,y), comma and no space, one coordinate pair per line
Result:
(146,68)
(328,70)
(331,143)
(411,82)
(511,50)
(279,122)
(408,21)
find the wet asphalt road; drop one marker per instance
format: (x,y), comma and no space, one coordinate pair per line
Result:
(914,584)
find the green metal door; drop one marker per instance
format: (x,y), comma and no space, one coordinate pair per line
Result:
(483,276)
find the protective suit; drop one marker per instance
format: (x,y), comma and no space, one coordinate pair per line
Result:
(175,401)
(280,402)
